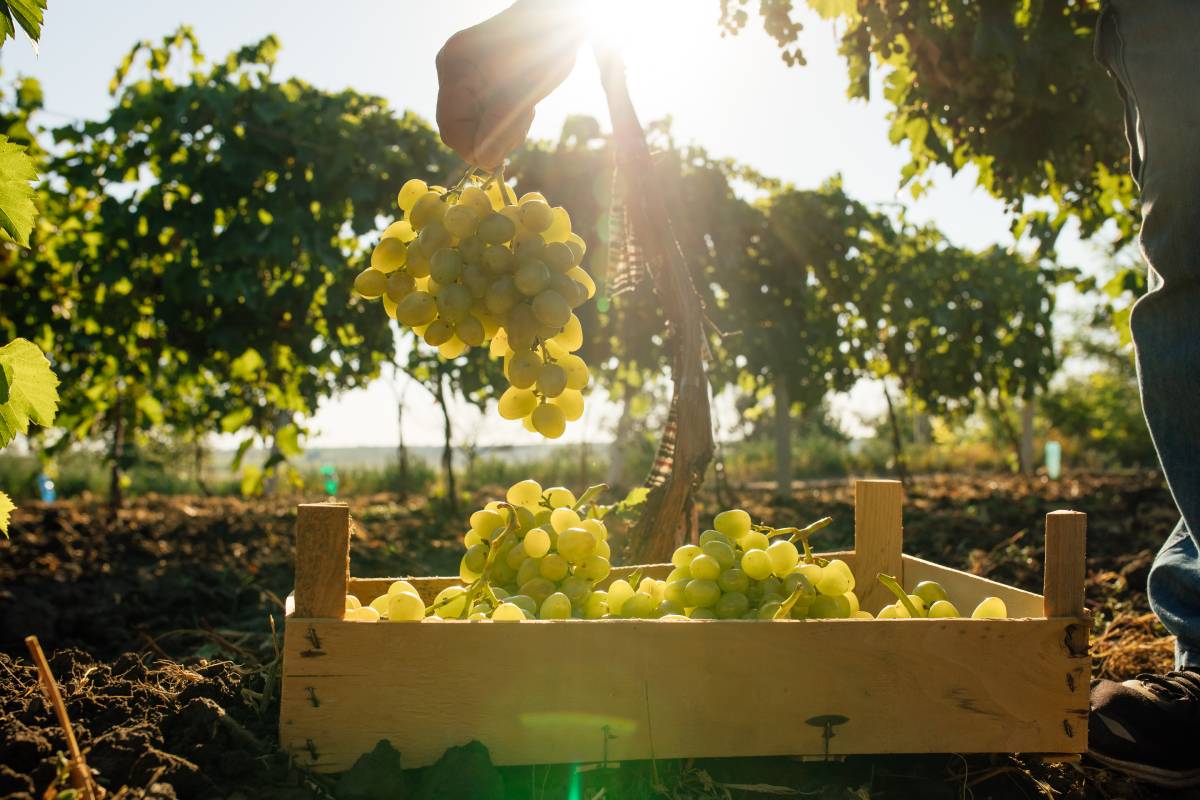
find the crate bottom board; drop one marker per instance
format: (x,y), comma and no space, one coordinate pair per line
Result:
(553,692)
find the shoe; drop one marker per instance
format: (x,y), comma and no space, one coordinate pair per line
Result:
(1148,727)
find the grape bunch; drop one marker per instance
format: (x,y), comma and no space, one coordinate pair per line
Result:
(474,266)
(929,599)
(737,572)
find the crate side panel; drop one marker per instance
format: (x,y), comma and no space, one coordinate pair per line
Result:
(539,692)
(966,590)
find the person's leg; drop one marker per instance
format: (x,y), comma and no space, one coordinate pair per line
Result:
(1152,48)
(1149,726)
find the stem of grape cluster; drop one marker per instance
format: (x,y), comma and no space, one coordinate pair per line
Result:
(484,579)
(895,588)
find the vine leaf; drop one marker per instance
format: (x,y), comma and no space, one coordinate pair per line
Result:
(26,13)
(16,192)
(6,508)
(30,389)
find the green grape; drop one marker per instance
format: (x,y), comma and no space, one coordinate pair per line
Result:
(417,263)
(461,221)
(452,349)
(389,255)
(370,283)
(719,550)
(549,420)
(576,371)
(797,580)
(572,291)
(537,543)
(559,496)
(530,568)
(701,592)
(412,191)
(399,286)
(450,602)
(446,266)
(471,250)
(770,585)
(476,557)
(515,557)
(470,331)
(578,247)
(639,606)
(783,556)
(684,554)
(732,605)
(501,296)
(769,610)
(528,246)
(734,523)
(571,403)
(563,517)
(919,604)
(523,368)
(669,609)
(675,591)
(560,229)
(536,215)
(576,588)
(453,302)
(756,564)
(832,582)
(733,580)
(595,568)
(523,602)
(596,605)
(580,275)
(930,592)
(433,237)
(556,606)
(521,327)
(524,494)
(438,333)
(705,567)
(400,229)
(538,589)
(508,612)
(558,257)
(714,536)
(367,614)
(703,613)
(844,569)
(990,608)
(942,608)
(496,229)
(811,571)
(618,592)
(470,538)
(551,380)
(498,259)
(517,403)
(397,587)
(571,336)
(418,308)
(352,602)
(575,545)
(531,278)
(826,607)
(477,200)
(380,604)
(754,540)
(486,522)
(549,308)
(555,566)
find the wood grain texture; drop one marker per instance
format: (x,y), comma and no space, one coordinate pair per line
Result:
(966,590)
(322,559)
(542,692)
(1065,566)
(878,539)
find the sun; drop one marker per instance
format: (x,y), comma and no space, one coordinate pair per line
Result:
(654,28)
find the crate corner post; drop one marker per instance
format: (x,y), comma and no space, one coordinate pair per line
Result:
(322,560)
(878,538)
(1065,565)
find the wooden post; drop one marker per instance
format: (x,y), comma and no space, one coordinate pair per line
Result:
(322,559)
(878,540)
(1065,565)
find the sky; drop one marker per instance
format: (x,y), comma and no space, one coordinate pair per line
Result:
(732,95)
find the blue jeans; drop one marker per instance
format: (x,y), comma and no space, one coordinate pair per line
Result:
(1152,50)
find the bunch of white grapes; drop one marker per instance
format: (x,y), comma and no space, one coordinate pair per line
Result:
(737,572)
(474,266)
(928,599)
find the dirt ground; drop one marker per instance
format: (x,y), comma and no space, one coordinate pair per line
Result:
(162,618)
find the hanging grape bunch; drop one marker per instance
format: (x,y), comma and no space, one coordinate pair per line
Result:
(474,266)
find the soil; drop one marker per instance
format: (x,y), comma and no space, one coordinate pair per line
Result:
(163,620)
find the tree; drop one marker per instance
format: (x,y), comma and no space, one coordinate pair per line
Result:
(208,231)
(1011,89)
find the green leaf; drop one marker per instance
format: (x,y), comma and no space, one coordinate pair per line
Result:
(636,496)
(236,420)
(29,15)
(16,193)
(287,439)
(31,393)
(151,408)
(6,508)
(247,366)
(242,449)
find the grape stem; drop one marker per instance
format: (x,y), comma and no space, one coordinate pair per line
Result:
(895,588)
(799,535)
(785,608)
(458,187)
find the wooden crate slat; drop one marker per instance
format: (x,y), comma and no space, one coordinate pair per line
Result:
(966,590)
(878,539)
(540,692)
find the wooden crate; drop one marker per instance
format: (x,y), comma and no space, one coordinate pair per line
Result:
(585,690)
